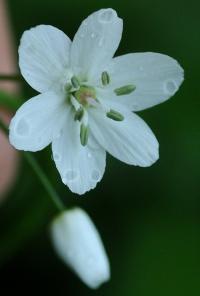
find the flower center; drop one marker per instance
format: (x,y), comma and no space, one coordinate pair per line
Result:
(84,94)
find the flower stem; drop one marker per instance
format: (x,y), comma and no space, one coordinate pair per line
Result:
(40,174)
(44,180)
(13,77)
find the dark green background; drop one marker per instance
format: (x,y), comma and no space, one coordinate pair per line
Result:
(148,217)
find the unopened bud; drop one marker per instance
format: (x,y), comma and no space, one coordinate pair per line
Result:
(78,243)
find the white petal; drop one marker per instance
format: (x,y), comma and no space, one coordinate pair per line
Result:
(156,76)
(78,243)
(37,122)
(96,41)
(44,56)
(80,167)
(130,140)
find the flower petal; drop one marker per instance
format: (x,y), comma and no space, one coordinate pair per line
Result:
(130,140)
(37,122)
(96,41)
(43,56)
(156,76)
(80,167)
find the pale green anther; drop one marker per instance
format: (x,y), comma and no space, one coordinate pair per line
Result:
(79,114)
(68,87)
(105,78)
(84,133)
(112,114)
(75,82)
(125,90)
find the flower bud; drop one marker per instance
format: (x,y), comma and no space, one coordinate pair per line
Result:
(78,243)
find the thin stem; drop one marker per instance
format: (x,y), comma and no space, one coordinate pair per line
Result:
(44,180)
(40,174)
(13,77)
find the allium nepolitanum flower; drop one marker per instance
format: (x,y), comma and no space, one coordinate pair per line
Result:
(87,98)
(78,243)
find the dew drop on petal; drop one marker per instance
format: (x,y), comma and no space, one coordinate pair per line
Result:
(100,43)
(56,157)
(93,35)
(70,175)
(85,23)
(58,135)
(95,175)
(107,15)
(170,87)
(89,155)
(22,128)
(64,180)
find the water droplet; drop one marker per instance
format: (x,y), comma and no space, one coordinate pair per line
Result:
(64,180)
(85,23)
(100,42)
(56,157)
(107,15)
(93,35)
(89,155)
(22,128)
(170,87)
(58,135)
(95,175)
(71,175)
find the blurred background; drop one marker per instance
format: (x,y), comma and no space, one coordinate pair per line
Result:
(149,218)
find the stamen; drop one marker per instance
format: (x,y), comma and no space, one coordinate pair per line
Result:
(68,86)
(75,103)
(125,90)
(84,133)
(105,78)
(75,82)
(79,114)
(112,114)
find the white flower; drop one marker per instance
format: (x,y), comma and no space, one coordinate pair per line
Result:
(87,98)
(78,244)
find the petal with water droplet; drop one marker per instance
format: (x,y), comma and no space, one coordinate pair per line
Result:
(130,140)
(156,76)
(82,167)
(43,56)
(37,122)
(102,29)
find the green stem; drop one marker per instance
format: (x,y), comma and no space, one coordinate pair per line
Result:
(40,174)
(13,77)
(44,180)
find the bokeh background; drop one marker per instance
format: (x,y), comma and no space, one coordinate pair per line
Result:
(149,218)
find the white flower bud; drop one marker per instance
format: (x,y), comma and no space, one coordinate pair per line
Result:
(78,244)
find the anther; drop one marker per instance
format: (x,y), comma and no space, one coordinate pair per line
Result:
(125,90)
(112,114)
(75,82)
(68,86)
(79,114)
(105,78)
(84,133)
